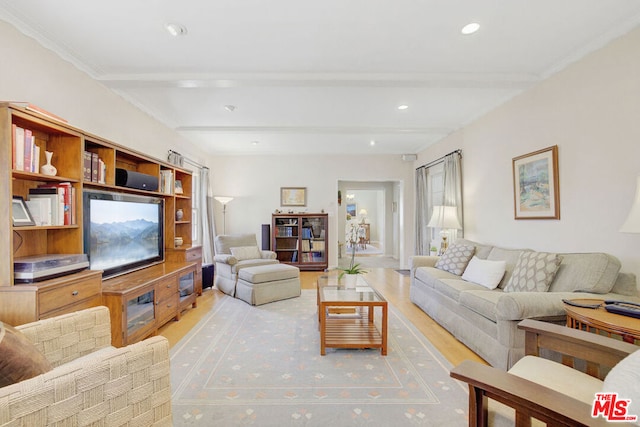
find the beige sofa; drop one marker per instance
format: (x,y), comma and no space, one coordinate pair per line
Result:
(486,320)
(91,383)
(227,265)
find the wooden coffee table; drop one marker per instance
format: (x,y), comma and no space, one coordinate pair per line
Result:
(599,320)
(346,316)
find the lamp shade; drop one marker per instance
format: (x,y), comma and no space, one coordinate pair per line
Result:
(632,224)
(223,199)
(363,212)
(444,217)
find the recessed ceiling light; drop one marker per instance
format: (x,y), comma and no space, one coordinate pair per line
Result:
(255,142)
(403,107)
(372,143)
(176,29)
(230,107)
(470,28)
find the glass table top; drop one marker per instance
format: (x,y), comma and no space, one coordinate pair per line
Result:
(334,290)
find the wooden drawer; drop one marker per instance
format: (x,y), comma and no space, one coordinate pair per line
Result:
(80,305)
(166,288)
(167,308)
(57,298)
(194,254)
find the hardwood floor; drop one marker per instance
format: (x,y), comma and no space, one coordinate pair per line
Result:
(392,285)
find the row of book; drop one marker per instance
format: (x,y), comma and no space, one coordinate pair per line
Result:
(94,168)
(26,153)
(53,204)
(313,245)
(286,231)
(166,181)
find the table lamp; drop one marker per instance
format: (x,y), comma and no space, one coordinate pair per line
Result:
(363,215)
(445,218)
(632,223)
(224,200)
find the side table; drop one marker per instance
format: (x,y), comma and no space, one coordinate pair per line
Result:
(600,321)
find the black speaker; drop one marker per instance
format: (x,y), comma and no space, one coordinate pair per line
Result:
(137,180)
(207,276)
(266,237)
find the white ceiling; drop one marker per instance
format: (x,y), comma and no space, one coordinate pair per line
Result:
(323,76)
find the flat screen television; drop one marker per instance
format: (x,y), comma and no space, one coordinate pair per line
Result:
(122,232)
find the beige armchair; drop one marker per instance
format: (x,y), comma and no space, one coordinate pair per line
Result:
(234,252)
(90,383)
(552,393)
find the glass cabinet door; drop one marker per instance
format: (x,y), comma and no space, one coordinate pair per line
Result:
(140,312)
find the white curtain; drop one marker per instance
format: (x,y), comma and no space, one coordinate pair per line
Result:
(206,218)
(453,189)
(423,211)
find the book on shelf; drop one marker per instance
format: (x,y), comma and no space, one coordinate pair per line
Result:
(18,148)
(40,208)
(306,246)
(166,181)
(55,203)
(86,166)
(317,245)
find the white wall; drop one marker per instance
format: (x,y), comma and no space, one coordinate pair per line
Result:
(255,181)
(31,73)
(591,110)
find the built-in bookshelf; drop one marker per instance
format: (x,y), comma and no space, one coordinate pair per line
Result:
(301,240)
(83,162)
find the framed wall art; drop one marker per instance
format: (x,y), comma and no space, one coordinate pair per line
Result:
(20,213)
(536,190)
(293,196)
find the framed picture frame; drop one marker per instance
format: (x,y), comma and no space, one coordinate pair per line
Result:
(177,187)
(293,196)
(20,213)
(352,209)
(536,190)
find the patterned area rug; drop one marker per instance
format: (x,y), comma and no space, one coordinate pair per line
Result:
(244,365)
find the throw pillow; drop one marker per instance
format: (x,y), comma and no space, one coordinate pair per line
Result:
(533,272)
(455,259)
(484,272)
(246,252)
(20,359)
(623,379)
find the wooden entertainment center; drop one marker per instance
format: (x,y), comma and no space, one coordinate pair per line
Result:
(163,283)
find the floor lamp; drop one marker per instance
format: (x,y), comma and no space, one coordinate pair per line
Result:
(224,200)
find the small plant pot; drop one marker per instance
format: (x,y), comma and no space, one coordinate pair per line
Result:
(350,280)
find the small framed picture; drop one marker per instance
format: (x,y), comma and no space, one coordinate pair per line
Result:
(178,187)
(293,196)
(20,213)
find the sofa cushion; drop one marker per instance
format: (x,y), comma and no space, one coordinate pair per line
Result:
(510,256)
(453,288)
(431,275)
(534,272)
(455,259)
(482,302)
(252,263)
(245,252)
(482,251)
(20,359)
(589,272)
(484,272)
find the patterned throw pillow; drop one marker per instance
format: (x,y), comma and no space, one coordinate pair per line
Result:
(533,272)
(455,259)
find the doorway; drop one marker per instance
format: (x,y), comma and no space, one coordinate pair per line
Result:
(373,208)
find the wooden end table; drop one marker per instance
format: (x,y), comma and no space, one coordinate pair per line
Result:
(341,317)
(600,321)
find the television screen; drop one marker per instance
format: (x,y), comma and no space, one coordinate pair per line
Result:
(122,232)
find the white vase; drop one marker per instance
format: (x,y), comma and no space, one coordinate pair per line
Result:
(48,168)
(350,280)
(179,215)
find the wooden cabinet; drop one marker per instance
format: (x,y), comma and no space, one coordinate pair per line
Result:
(73,151)
(301,240)
(143,301)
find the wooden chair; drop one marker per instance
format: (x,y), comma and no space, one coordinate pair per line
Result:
(530,399)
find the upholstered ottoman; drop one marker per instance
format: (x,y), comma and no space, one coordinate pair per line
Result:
(267,283)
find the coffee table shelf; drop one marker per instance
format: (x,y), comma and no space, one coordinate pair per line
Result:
(346,316)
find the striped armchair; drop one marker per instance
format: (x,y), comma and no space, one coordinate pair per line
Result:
(91,383)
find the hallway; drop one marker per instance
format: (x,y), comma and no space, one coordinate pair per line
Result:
(369,260)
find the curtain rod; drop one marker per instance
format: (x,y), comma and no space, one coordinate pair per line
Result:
(459,151)
(188,159)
